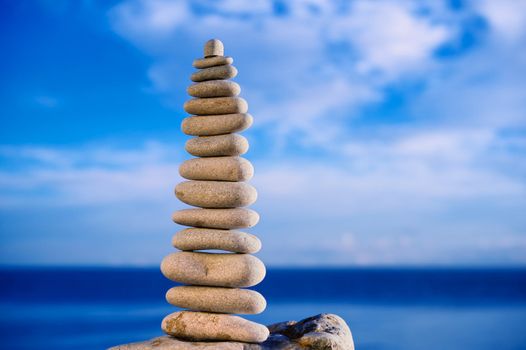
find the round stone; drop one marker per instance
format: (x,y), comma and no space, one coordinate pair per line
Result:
(217,299)
(214,88)
(213,269)
(214,47)
(216,218)
(216,194)
(207,238)
(217,168)
(215,146)
(213,73)
(212,61)
(216,105)
(192,325)
(216,124)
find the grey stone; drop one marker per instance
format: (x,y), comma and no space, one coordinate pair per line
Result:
(207,238)
(214,47)
(321,332)
(214,73)
(216,218)
(216,124)
(216,194)
(217,299)
(193,325)
(212,61)
(217,168)
(213,269)
(215,146)
(214,88)
(216,105)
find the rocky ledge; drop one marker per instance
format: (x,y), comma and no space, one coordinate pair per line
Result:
(321,332)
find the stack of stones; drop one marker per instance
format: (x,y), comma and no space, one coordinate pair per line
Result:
(217,186)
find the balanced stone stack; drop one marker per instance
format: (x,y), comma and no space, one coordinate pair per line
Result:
(217,186)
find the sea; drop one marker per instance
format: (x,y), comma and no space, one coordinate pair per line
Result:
(386,308)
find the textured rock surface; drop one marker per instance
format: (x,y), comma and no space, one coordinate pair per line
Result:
(214,88)
(193,325)
(216,218)
(216,146)
(206,238)
(321,332)
(216,105)
(218,269)
(212,61)
(216,194)
(217,299)
(217,168)
(216,124)
(213,73)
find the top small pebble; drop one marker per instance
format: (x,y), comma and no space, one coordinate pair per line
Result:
(214,47)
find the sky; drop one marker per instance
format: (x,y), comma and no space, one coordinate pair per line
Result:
(387,133)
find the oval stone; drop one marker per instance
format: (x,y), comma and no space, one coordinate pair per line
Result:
(213,269)
(217,299)
(216,194)
(214,88)
(214,73)
(216,124)
(216,105)
(214,47)
(195,326)
(220,145)
(217,168)
(216,218)
(207,238)
(212,61)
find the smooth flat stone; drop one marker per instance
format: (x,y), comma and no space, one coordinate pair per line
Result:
(217,168)
(207,238)
(213,269)
(216,105)
(217,299)
(214,73)
(214,88)
(215,146)
(216,194)
(214,47)
(212,61)
(217,218)
(208,326)
(325,331)
(216,124)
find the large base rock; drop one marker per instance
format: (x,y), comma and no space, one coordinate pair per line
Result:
(321,332)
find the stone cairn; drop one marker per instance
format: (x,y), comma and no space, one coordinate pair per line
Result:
(217,186)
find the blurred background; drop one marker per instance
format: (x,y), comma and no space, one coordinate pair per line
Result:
(389,145)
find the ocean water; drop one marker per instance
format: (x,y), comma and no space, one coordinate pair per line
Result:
(409,309)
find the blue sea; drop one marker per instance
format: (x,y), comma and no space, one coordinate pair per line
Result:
(386,308)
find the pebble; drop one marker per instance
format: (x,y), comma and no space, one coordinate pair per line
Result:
(213,269)
(217,168)
(213,73)
(216,194)
(206,238)
(217,218)
(192,325)
(216,124)
(216,105)
(214,88)
(220,145)
(217,299)
(212,61)
(214,47)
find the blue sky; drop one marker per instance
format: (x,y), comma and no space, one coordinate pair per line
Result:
(386,132)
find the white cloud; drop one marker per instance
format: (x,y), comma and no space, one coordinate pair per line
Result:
(299,87)
(403,204)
